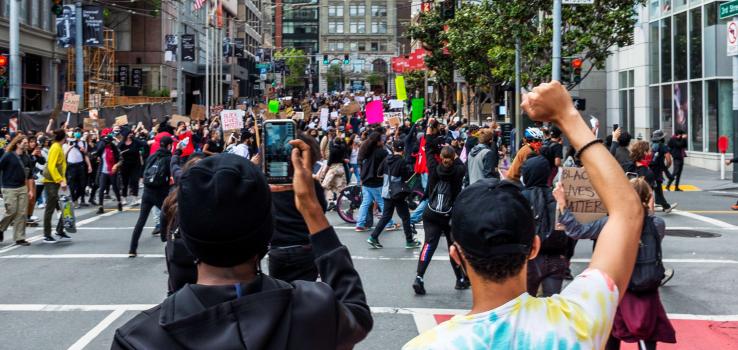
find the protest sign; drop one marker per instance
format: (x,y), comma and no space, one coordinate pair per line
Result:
(121,121)
(396,104)
(298,116)
(176,118)
(95,101)
(581,198)
(334,115)
(394,121)
(215,110)
(232,119)
(274,106)
(269,116)
(93,113)
(418,108)
(374,112)
(351,108)
(91,123)
(324,118)
(71,102)
(197,112)
(400,86)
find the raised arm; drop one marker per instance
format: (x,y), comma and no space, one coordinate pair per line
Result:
(617,245)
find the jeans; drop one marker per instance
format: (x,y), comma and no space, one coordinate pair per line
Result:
(418,212)
(369,195)
(16,203)
(402,211)
(151,198)
(355,170)
(51,191)
(658,194)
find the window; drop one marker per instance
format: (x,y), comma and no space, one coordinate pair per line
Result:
(335,10)
(356,10)
(335,46)
(362,46)
(655,110)
(666,49)
(353,46)
(383,47)
(626,94)
(680,47)
(696,133)
(665,6)
(357,26)
(654,9)
(335,27)
(666,109)
(379,27)
(681,107)
(379,10)
(654,52)
(719,111)
(375,46)
(288,27)
(695,47)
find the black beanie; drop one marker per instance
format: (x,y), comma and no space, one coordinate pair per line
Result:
(225,210)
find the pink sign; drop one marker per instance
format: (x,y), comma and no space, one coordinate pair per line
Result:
(374,112)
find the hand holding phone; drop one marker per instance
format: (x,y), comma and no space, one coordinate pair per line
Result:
(277,164)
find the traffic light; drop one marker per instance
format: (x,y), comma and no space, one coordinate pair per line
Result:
(3,70)
(57,8)
(448,9)
(346,59)
(565,78)
(576,66)
(326,61)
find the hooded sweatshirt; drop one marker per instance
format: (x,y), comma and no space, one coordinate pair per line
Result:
(265,313)
(482,162)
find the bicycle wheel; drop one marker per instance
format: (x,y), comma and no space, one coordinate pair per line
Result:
(348,203)
(414,199)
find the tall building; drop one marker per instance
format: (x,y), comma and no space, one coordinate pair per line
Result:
(367,32)
(298,25)
(676,76)
(43,70)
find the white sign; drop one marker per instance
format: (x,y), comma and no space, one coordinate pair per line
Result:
(577,2)
(232,119)
(732,38)
(458,78)
(396,104)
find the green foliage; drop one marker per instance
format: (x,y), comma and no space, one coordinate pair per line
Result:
(375,78)
(333,77)
(296,62)
(415,81)
(430,32)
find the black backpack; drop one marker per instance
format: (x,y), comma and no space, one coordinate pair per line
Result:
(649,268)
(441,201)
(156,173)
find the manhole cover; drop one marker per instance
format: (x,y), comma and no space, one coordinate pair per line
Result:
(691,234)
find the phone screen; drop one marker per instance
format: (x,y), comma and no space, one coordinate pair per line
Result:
(277,152)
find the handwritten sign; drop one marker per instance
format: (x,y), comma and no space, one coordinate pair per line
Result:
(394,121)
(351,108)
(215,110)
(298,116)
(232,119)
(71,102)
(121,121)
(91,124)
(176,118)
(324,118)
(197,112)
(581,198)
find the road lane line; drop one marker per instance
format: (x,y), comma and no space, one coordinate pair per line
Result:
(716,222)
(78,256)
(74,307)
(81,343)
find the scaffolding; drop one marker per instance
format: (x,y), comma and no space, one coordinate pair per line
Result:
(100,72)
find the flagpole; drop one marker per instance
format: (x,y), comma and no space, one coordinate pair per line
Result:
(207,59)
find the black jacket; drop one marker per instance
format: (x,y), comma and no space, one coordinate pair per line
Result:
(266,314)
(15,169)
(167,155)
(370,174)
(453,175)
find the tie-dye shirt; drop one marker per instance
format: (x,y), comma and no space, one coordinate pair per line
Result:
(579,318)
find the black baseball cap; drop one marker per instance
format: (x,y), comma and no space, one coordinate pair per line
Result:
(491,217)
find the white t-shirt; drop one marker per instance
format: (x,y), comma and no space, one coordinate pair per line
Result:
(241,150)
(579,318)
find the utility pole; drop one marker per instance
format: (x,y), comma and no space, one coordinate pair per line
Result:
(556,64)
(207,58)
(734,137)
(180,84)
(79,55)
(518,90)
(15,64)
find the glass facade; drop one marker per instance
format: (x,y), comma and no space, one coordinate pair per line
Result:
(689,72)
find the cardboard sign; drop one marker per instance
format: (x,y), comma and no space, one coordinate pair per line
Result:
(71,102)
(215,110)
(394,121)
(400,87)
(351,108)
(298,116)
(374,112)
(581,197)
(176,118)
(91,124)
(232,119)
(197,112)
(270,115)
(93,113)
(121,121)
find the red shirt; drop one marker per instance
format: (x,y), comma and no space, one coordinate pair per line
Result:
(190,148)
(157,140)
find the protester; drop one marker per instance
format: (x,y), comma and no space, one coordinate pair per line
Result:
(130,169)
(619,149)
(110,162)
(483,158)
(334,180)
(642,156)
(396,171)
(494,242)
(354,145)
(16,168)
(37,160)
(678,149)
(660,163)
(214,145)
(532,145)
(54,180)
(641,316)
(371,155)
(78,165)
(234,305)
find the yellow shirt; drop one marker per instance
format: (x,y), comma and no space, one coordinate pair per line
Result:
(56,163)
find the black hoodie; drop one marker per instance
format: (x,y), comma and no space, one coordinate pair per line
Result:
(265,313)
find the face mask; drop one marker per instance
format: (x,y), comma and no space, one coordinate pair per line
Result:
(77,135)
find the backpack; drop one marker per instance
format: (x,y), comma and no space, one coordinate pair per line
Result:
(657,162)
(543,206)
(649,268)
(156,174)
(441,201)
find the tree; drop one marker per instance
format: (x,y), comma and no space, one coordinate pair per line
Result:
(415,82)
(295,61)
(333,77)
(430,31)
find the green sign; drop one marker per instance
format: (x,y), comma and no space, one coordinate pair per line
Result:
(263,65)
(728,9)
(274,106)
(418,109)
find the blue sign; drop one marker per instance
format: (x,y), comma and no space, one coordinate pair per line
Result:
(262,70)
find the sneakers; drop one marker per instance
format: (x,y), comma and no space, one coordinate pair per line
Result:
(135,202)
(734,207)
(412,228)
(156,231)
(41,206)
(124,201)
(22,242)
(419,286)
(2,236)
(120,206)
(374,243)
(33,218)
(49,240)
(62,237)
(394,227)
(668,274)
(462,284)
(415,243)
(669,209)
(364,229)
(100,210)
(132,254)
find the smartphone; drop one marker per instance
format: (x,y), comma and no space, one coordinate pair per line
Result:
(277,164)
(615,127)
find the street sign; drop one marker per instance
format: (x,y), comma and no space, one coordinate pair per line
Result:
(266,66)
(732,38)
(728,9)
(458,78)
(577,2)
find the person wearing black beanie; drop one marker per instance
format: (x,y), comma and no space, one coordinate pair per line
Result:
(226,221)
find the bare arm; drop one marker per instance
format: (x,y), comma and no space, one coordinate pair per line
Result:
(618,242)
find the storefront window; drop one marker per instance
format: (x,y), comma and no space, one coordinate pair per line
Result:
(695,116)
(695,43)
(680,46)
(654,52)
(654,103)
(665,6)
(666,109)
(719,111)
(681,107)
(680,4)
(666,49)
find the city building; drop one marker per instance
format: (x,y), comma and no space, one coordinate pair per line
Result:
(675,76)
(43,68)
(296,26)
(366,32)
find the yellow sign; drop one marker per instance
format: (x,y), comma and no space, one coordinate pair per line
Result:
(400,86)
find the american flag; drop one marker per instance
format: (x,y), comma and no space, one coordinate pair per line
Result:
(198,4)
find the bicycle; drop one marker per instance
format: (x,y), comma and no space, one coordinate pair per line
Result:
(349,201)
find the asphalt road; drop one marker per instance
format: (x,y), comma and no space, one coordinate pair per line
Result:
(74,295)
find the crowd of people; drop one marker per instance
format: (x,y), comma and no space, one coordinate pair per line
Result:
(515,257)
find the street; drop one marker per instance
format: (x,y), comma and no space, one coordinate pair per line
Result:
(74,295)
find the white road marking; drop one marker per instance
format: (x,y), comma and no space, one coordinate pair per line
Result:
(81,343)
(113,228)
(716,222)
(78,256)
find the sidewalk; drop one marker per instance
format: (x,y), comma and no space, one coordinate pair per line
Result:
(707,180)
